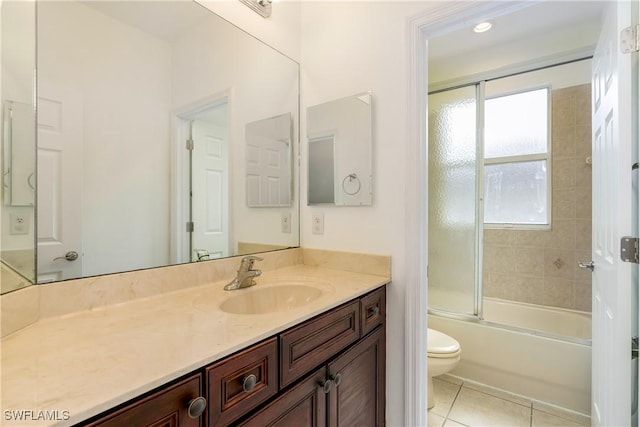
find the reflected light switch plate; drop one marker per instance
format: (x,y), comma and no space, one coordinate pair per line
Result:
(317,223)
(18,223)
(285,222)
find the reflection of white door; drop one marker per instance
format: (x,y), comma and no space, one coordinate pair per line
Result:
(268,176)
(612,219)
(59,206)
(210,190)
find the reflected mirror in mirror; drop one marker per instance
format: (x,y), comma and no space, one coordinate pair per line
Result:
(340,152)
(142,109)
(18,136)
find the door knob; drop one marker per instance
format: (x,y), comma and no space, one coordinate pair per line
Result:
(590,265)
(69,256)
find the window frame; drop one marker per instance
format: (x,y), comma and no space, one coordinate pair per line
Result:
(547,156)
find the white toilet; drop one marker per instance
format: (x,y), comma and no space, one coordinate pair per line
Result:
(443,355)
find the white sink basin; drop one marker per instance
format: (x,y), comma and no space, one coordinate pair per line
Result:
(270,299)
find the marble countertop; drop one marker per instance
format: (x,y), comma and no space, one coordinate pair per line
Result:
(73,367)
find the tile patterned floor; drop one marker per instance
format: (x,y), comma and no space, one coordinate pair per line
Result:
(461,403)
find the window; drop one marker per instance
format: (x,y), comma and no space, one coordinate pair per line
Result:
(516,160)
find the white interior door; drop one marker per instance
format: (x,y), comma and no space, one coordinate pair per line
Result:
(59,207)
(210,191)
(612,219)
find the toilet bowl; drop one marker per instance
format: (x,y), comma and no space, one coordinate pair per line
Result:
(443,355)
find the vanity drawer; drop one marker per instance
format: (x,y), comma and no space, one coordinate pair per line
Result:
(372,310)
(241,382)
(305,347)
(169,406)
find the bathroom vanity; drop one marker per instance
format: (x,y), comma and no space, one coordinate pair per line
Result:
(203,356)
(329,370)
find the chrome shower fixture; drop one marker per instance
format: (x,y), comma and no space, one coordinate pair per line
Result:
(263,7)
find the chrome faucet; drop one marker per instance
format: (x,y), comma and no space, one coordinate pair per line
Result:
(246,273)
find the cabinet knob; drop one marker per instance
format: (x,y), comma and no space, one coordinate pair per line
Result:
(374,311)
(196,407)
(249,382)
(337,379)
(326,385)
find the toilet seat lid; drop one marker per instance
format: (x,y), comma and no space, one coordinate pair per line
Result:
(439,343)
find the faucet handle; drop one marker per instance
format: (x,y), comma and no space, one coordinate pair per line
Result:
(247,262)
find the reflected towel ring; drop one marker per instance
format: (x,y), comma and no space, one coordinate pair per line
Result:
(352,186)
(30,182)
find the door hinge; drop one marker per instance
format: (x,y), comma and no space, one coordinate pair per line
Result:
(630,39)
(634,347)
(189,226)
(629,249)
(189,144)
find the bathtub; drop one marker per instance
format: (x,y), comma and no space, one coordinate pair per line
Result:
(556,322)
(534,351)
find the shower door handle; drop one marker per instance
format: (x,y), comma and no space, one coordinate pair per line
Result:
(590,265)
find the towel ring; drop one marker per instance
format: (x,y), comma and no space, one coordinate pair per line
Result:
(351,184)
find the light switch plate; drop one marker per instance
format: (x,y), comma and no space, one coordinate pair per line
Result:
(317,223)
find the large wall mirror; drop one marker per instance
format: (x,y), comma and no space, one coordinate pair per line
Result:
(18,136)
(142,114)
(340,152)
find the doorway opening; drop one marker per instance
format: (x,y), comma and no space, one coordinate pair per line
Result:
(203,231)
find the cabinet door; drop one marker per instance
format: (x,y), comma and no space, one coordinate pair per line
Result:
(304,405)
(165,408)
(358,397)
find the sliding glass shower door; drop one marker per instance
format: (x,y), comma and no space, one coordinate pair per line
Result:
(454,213)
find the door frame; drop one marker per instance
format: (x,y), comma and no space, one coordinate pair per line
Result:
(438,20)
(180,203)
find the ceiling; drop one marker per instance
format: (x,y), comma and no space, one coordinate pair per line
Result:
(545,28)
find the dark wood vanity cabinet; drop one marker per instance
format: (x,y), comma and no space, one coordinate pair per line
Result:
(327,371)
(348,391)
(349,387)
(177,405)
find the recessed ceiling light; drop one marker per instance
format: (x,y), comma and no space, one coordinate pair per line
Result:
(483,27)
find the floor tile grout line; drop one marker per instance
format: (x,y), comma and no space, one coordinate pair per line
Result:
(568,416)
(452,403)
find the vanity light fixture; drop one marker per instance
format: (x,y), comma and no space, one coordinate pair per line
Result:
(263,7)
(482,27)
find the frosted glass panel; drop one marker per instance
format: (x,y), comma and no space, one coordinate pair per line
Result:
(516,193)
(452,200)
(516,124)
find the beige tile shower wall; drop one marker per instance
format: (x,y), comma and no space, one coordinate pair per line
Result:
(540,267)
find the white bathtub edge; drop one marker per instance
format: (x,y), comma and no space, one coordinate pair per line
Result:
(547,370)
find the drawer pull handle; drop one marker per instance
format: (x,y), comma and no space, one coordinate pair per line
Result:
(373,311)
(196,407)
(249,382)
(326,385)
(337,379)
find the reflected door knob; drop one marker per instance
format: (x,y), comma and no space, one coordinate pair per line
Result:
(69,256)
(590,265)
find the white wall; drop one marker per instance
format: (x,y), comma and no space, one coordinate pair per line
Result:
(281,30)
(347,48)
(125,167)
